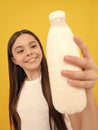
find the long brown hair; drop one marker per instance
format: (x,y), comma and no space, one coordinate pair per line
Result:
(16,79)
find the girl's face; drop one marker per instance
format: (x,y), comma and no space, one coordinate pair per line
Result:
(27,53)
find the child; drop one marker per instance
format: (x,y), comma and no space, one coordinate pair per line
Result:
(30,101)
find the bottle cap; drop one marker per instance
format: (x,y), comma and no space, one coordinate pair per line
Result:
(56,14)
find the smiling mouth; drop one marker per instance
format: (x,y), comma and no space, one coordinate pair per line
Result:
(31,60)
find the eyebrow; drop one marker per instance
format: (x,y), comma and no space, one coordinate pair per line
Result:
(32,42)
(22,46)
(18,47)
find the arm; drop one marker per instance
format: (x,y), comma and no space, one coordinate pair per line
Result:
(87,119)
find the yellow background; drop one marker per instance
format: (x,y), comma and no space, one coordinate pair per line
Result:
(82,16)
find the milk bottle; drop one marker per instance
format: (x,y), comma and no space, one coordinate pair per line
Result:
(66,99)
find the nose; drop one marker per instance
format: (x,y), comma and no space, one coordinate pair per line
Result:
(28,52)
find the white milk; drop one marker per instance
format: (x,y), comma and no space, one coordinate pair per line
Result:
(66,99)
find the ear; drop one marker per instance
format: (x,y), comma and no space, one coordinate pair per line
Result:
(14,61)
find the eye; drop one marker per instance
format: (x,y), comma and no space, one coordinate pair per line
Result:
(33,46)
(20,51)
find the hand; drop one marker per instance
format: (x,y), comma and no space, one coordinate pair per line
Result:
(86,77)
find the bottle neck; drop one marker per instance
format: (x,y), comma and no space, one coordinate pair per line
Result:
(60,21)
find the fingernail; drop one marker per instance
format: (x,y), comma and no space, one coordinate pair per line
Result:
(66,57)
(65,72)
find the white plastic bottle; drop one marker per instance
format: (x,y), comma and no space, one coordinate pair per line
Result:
(66,99)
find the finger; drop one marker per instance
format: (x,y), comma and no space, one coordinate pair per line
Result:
(82,46)
(82,84)
(80,75)
(81,62)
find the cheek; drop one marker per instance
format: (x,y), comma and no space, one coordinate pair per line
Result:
(41,55)
(18,60)
(39,52)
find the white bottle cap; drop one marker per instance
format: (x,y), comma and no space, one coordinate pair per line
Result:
(56,14)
